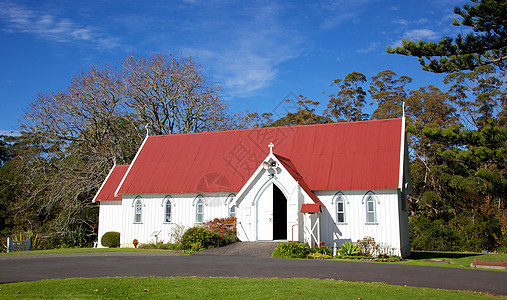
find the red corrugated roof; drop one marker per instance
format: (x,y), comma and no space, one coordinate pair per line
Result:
(310,208)
(339,156)
(291,168)
(106,191)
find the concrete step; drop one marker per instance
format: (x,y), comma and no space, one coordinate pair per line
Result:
(251,249)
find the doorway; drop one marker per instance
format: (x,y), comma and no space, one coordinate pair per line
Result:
(279,214)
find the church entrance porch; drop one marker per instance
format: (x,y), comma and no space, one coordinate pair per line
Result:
(272,215)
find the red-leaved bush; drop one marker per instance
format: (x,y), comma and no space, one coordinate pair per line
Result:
(222,225)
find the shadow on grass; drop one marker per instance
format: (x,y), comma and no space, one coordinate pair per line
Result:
(423,255)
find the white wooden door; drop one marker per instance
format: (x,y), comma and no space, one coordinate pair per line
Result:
(265,215)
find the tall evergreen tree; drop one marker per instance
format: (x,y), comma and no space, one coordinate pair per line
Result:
(487,44)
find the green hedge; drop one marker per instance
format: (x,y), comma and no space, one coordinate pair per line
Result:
(199,238)
(291,250)
(110,239)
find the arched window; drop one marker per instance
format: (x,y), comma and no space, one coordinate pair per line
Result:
(232,211)
(340,209)
(232,207)
(199,211)
(168,210)
(339,201)
(138,210)
(371,207)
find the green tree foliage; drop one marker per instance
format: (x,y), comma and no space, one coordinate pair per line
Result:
(487,44)
(71,137)
(388,91)
(478,94)
(461,204)
(349,101)
(304,116)
(256,120)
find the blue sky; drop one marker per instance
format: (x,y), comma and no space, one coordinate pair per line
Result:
(258,51)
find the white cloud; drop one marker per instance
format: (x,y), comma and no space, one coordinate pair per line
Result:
(336,12)
(400,22)
(248,60)
(420,34)
(371,47)
(47,26)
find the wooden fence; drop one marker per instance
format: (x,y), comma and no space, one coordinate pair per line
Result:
(14,246)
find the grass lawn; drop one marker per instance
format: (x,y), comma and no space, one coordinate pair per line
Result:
(79,250)
(447,259)
(220,288)
(454,259)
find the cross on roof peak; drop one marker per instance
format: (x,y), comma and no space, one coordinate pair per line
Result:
(271,145)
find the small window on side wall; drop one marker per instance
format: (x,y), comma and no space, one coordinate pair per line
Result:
(232,211)
(340,210)
(371,208)
(199,211)
(138,211)
(168,211)
(339,202)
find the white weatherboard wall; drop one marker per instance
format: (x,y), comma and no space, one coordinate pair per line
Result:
(110,218)
(153,215)
(386,230)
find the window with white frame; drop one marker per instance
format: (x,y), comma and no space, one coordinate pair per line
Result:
(138,211)
(371,208)
(168,210)
(232,211)
(340,209)
(199,211)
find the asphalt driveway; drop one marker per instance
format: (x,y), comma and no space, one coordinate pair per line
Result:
(38,267)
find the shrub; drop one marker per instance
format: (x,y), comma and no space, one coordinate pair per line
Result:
(229,239)
(317,255)
(199,238)
(385,250)
(176,234)
(367,246)
(348,249)
(291,250)
(322,250)
(110,239)
(222,225)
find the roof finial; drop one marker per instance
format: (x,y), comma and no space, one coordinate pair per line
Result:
(271,145)
(114,160)
(403,108)
(147,127)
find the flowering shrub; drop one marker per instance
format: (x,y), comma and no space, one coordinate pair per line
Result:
(222,225)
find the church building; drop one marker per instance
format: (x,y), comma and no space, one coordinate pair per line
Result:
(331,183)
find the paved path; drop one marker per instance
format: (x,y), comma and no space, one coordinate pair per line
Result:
(36,267)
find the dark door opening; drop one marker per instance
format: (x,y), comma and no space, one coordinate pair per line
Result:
(279,214)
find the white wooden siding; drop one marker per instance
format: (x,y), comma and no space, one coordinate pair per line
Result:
(153,215)
(110,218)
(386,230)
